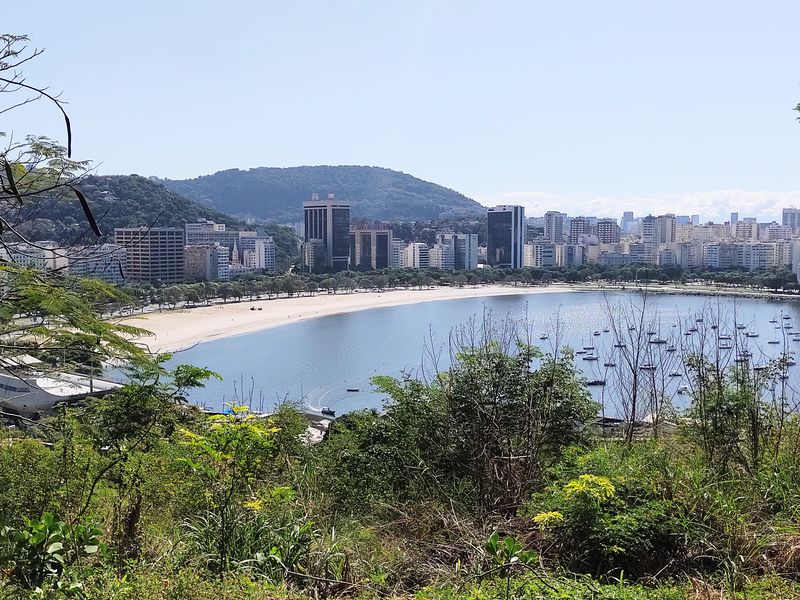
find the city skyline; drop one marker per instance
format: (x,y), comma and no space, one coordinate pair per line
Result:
(611,106)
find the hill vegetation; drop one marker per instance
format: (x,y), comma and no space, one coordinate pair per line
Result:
(130,201)
(278,193)
(116,201)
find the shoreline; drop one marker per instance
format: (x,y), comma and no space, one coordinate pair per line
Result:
(182,328)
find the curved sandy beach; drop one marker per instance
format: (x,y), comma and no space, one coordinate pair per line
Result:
(182,328)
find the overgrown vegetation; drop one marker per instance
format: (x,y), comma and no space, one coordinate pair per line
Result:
(485,478)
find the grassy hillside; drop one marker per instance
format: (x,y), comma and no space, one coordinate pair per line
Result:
(374,192)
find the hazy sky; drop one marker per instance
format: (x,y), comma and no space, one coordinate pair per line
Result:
(586,107)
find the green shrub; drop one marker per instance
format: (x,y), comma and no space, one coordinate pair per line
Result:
(45,553)
(610,511)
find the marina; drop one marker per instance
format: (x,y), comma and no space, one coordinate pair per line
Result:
(292,363)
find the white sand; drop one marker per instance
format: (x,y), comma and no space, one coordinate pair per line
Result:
(183,328)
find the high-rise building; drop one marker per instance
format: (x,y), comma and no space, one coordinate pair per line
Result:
(265,253)
(505,236)
(554,226)
(442,256)
(578,227)
(206,263)
(328,222)
(540,254)
(465,248)
(695,220)
(154,254)
(746,230)
(791,217)
(314,256)
(370,246)
(627,221)
(734,218)
(665,229)
(416,256)
(569,255)
(209,233)
(607,231)
(398,251)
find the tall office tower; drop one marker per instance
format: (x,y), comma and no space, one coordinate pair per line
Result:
(416,256)
(627,221)
(505,236)
(327,224)
(607,231)
(578,227)
(154,254)
(695,220)
(465,248)
(665,229)
(554,226)
(791,217)
(683,220)
(370,246)
(734,218)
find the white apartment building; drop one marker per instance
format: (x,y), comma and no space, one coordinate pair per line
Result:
(416,256)
(398,253)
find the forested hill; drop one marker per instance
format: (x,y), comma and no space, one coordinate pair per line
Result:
(116,201)
(278,193)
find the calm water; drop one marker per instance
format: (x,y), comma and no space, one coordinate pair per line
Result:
(317,361)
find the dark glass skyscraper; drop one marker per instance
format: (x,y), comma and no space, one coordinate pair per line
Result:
(370,246)
(327,223)
(505,236)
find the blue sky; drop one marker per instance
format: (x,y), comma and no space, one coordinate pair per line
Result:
(588,107)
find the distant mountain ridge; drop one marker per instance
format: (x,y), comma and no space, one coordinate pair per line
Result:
(276,193)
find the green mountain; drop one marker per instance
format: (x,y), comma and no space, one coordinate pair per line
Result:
(116,201)
(129,201)
(278,193)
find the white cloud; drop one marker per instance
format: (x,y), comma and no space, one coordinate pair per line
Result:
(711,206)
